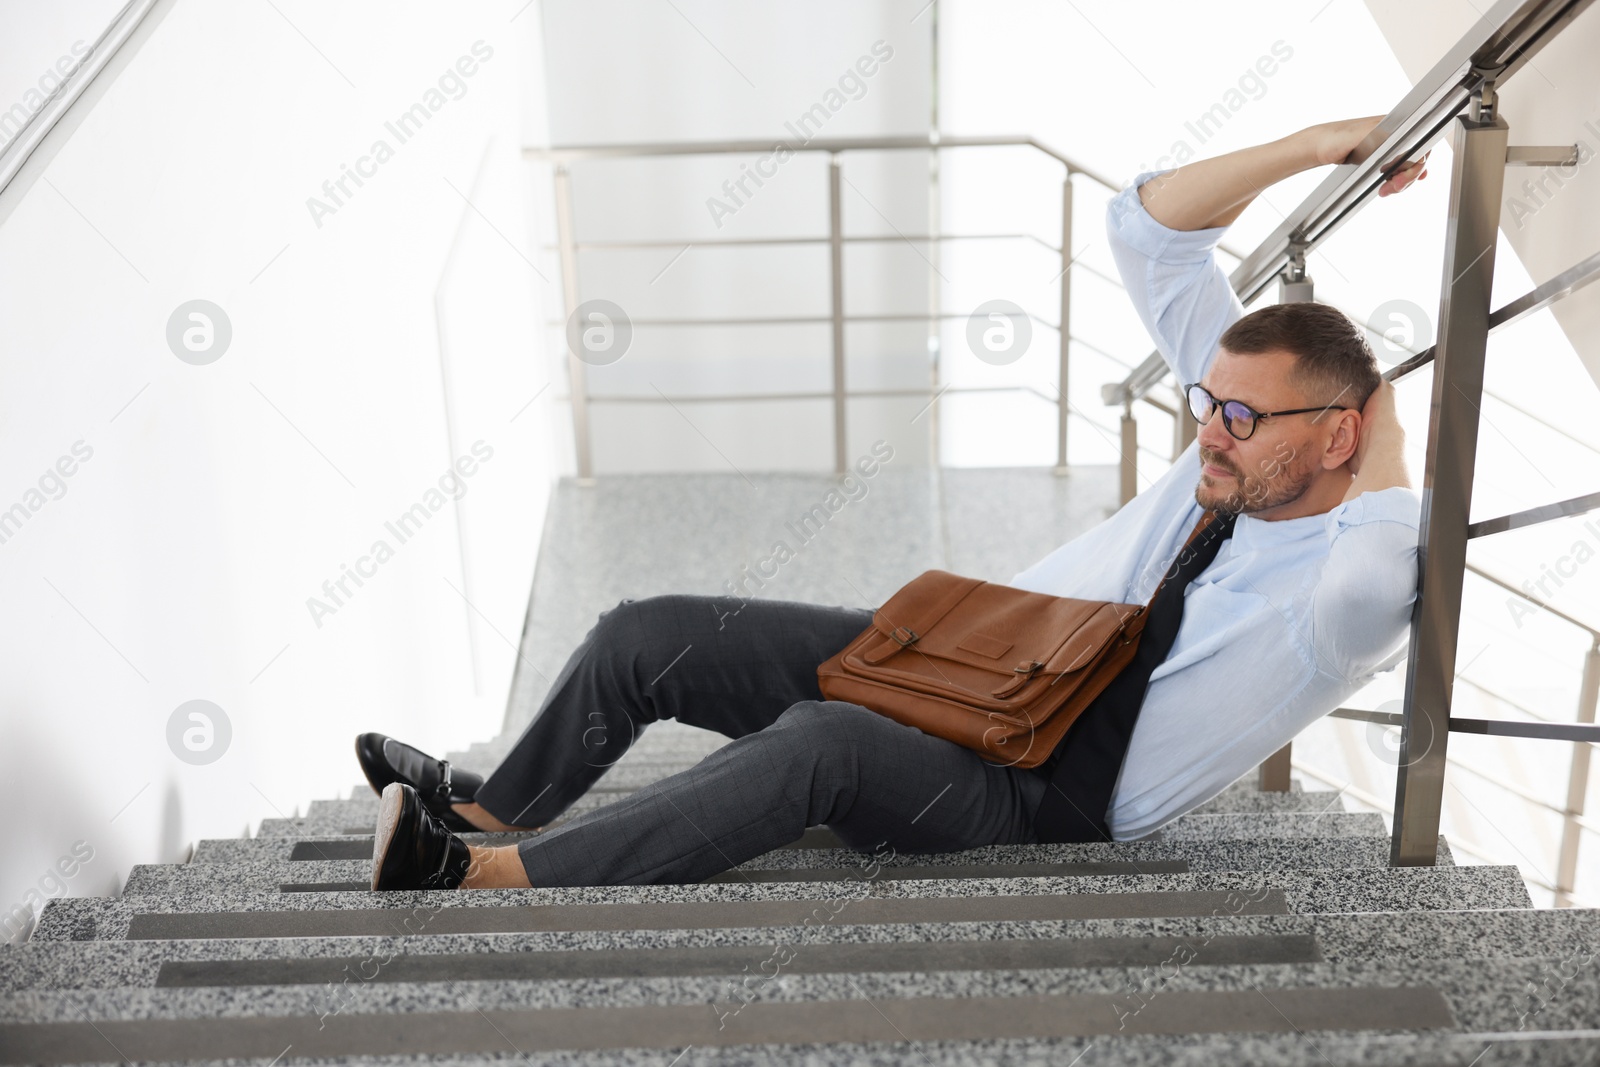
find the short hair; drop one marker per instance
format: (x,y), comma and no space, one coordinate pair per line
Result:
(1333,364)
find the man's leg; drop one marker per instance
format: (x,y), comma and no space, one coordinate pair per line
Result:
(713,662)
(868,778)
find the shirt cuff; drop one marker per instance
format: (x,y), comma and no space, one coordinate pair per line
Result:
(1129,220)
(1394,504)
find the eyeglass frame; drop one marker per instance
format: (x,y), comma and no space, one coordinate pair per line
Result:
(1217,406)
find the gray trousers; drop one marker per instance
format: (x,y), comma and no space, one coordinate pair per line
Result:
(797,760)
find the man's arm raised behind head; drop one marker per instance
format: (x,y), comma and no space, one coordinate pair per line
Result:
(1164,228)
(1174,282)
(1214,192)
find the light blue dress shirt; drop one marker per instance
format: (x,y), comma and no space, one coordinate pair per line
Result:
(1291,618)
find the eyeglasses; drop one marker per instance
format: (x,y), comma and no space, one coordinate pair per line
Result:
(1238,417)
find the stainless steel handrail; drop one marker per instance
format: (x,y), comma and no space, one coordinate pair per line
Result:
(832,145)
(1538,298)
(17,151)
(564,156)
(887,238)
(809,320)
(1498,44)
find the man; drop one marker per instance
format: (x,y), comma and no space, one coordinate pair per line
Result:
(1303,594)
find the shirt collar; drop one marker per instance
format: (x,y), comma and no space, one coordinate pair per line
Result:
(1251,534)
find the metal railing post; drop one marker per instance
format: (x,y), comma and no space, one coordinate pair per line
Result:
(1184,429)
(1130,453)
(1294,286)
(836,266)
(1577,782)
(1274,771)
(1478,146)
(1064,317)
(582,444)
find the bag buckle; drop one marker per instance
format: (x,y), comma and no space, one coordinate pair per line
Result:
(1028,668)
(1122,627)
(904,642)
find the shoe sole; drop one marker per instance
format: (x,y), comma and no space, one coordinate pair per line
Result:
(389,807)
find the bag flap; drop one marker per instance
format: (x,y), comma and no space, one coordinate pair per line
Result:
(914,608)
(996,629)
(1079,650)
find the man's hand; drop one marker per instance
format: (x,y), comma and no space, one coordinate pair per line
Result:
(1379,460)
(1332,142)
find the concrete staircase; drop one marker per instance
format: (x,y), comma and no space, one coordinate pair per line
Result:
(1259,929)
(1264,928)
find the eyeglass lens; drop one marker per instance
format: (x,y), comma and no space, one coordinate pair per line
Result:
(1238,419)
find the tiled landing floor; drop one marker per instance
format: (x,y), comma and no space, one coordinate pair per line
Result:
(642,535)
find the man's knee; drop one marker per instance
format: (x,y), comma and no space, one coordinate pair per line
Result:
(645,629)
(628,621)
(642,615)
(833,727)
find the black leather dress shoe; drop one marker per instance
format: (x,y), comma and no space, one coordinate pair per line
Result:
(411,849)
(384,761)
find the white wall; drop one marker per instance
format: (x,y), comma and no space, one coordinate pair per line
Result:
(176,562)
(702,70)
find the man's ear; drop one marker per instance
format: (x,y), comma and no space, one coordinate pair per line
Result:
(1346,436)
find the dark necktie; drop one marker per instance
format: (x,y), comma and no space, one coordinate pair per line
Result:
(1083,769)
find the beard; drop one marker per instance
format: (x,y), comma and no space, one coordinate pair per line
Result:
(1240,493)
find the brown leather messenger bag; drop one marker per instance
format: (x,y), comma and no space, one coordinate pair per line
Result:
(1000,670)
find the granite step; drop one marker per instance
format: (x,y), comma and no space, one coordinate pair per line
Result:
(234,913)
(1176,855)
(359,847)
(1187,828)
(1229,802)
(644,763)
(1123,1050)
(360,813)
(1371,1049)
(621,778)
(632,772)
(339,818)
(687,749)
(1214,939)
(666,1014)
(1233,802)
(1253,800)
(626,776)
(1233,826)
(441,1026)
(364,808)
(670,741)
(831,865)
